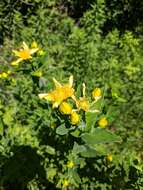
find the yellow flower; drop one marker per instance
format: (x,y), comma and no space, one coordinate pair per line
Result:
(65,183)
(74,118)
(103,122)
(96,93)
(70,164)
(3,75)
(61,92)
(83,104)
(24,53)
(65,108)
(109,158)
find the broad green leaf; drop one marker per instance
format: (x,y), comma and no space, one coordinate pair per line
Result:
(100,136)
(101,149)
(85,151)
(62,130)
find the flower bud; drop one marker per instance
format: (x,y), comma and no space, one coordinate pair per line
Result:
(74,118)
(109,158)
(103,122)
(96,93)
(70,164)
(65,108)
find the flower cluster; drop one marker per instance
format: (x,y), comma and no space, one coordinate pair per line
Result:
(62,93)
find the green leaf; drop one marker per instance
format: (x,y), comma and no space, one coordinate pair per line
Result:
(84,151)
(89,153)
(50,150)
(91,118)
(100,136)
(75,177)
(51,172)
(1,127)
(78,148)
(8,117)
(75,133)
(62,130)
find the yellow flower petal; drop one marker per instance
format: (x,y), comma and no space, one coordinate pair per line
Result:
(56,83)
(25,46)
(55,105)
(71,81)
(32,51)
(15,63)
(43,95)
(84,88)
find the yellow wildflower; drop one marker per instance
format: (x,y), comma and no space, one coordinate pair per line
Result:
(109,158)
(96,93)
(83,104)
(74,118)
(3,75)
(61,92)
(70,164)
(103,122)
(65,183)
(24,53)
(65,108)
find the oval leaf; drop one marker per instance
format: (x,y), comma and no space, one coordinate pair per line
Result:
(62,130)
(100,136)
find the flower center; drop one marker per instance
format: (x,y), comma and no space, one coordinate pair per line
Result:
(25,54)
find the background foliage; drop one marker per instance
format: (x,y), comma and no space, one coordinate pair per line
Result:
(100,43)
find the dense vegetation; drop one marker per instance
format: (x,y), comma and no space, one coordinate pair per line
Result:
(44,146)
